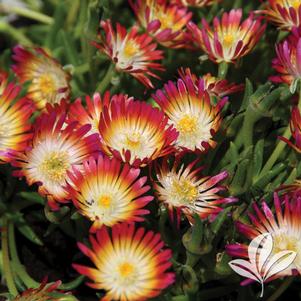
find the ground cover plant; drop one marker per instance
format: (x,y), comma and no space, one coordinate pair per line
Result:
(150,150)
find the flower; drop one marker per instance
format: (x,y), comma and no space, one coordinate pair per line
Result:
(184,189)
(130,52)
(195,3)
(284,226)
(229,39)
(49,83)
(14,116)
(213,85)
(135,132)
(285,14)
(43,293)
(163,21)
(108,193)
(55,149)
(295,125)
(288,60)
(191,113)
(130,264)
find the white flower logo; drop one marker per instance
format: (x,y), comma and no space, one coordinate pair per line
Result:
(262,265)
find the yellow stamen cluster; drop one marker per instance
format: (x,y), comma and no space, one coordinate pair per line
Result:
(187,125)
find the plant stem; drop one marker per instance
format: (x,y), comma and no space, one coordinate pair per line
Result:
(223,70)
(102,86)
(16,34)
(18,266)
(6,261)
(281,289)
(27,13)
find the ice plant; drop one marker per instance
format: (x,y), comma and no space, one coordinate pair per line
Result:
(285,14)
(130,52)
(191,113)
(130,264)
(195,3)
(135,132)
(185,189)
(295,125)
(14,120)
(229,39)
(284,227)
(107,192)
(49,83)
(213,85)
(55,149)
(164,21)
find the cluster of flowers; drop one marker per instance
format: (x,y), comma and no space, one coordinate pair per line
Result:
(101,155)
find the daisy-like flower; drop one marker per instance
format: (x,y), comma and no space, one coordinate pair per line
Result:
(164,21)
(14,120)
(190,111)
(107,193)
(213,85)
(185,189)
(135,132)
(43,293)
(195,3)
(229,39)
(49,83)
(284,226)
(295,125)
(55,148)
(285,14)
(288,60)
(130,52)
(129,264)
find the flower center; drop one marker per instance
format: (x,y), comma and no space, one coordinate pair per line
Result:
(185,190)
(187,124)
(105,201)
(126,269)
(228,39)
(55,166)
(295,4)
(133,141)
(130,49)
(47,84)
(284,242)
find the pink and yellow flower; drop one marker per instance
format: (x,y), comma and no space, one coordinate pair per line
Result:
(185,189)
(189,110)
(131,52)
(55,148)
(49,83)
(195,3)
(213,85)
(130,264)
(163,21)
(229,39)
(285,14)
(284,226)
(107,193)
(135,132)
(295,125)
(288,60)
(14,120)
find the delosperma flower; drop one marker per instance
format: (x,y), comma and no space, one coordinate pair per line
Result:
(288,60)
(130,52)
(213,85)
(162,20)
(135,132)
(107,192)
(189,109)
(284,225)
(295,125)
(55,148)
(183,188)
(285,14)
(130,264)
(229,39)
(195,3)
(49,83)
(14,120)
